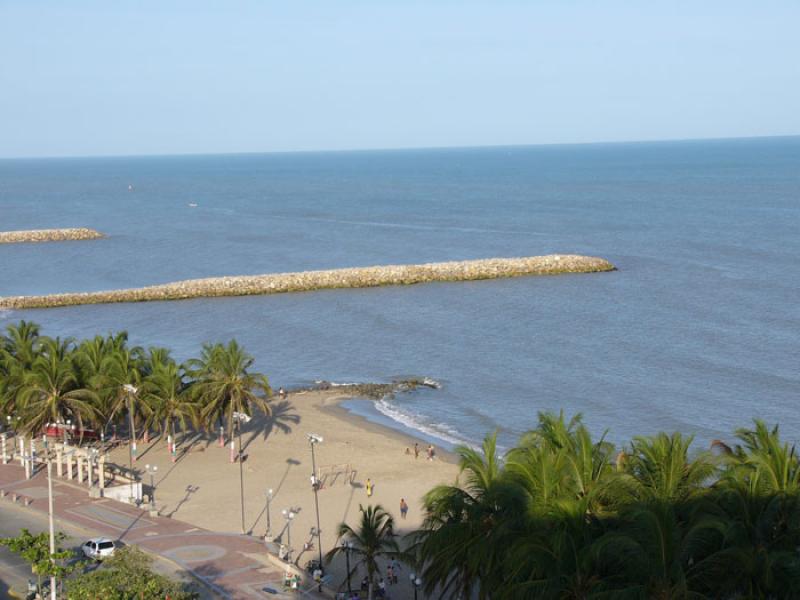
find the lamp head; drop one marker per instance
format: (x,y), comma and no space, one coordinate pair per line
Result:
(314,438)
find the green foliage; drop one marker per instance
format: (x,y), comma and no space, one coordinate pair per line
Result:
(35,550)
(566,517)
(126,576)
(45,380)
(374,538)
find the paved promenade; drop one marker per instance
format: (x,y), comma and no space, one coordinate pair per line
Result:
(234,566)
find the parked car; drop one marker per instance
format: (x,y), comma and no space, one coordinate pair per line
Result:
(98,548)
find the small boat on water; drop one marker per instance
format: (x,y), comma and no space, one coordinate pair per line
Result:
(193,204)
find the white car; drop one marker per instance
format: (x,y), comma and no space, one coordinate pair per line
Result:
(98,548)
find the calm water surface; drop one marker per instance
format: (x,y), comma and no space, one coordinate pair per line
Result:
(698,331)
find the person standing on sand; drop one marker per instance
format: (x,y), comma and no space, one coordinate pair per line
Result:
(416,450)
(369,487)
(403,508)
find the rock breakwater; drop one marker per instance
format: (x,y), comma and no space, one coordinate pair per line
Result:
(357,277)
(49,235)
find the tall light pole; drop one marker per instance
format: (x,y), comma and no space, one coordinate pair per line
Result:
(288,514)
(238,418)
(313,440)
(348,546)
(131,391)
(151,470)
(268,533)
(52,527)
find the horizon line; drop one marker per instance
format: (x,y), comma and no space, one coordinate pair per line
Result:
(397,148)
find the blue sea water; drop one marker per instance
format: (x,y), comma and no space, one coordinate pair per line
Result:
(698,330)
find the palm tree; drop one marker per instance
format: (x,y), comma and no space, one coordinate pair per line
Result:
(373,539)
(51,391)
(166,391)
(461,545)
(120,378)
(659,468)
(768,465)
(17,353)
(224,386)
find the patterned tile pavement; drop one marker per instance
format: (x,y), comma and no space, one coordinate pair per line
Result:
(234,566)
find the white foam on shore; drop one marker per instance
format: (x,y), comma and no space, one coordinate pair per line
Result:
(442,431)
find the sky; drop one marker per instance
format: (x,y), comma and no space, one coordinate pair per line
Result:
(85,78)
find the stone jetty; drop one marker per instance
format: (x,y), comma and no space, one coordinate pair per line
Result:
(358,277)
(49,235)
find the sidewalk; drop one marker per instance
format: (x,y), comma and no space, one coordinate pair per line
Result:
(234,566)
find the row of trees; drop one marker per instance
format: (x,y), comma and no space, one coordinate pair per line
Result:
(564,515)
(103,382)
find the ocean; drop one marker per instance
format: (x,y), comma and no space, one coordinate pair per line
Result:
(698,331)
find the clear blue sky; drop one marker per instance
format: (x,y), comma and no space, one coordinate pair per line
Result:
(113,77)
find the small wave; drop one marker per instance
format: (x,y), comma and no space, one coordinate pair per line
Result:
(441,431)
(5,313)
(334,384)
(432,383)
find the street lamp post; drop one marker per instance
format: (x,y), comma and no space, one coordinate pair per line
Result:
(347,545)
(151,470)
(313,440)
(51,525)
(238,418)
(131,391)
(288,514)
(415,582)
(268,533)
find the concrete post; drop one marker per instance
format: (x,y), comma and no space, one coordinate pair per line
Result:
(101,472)
(5,456)
(59,459)
(21,450)
(33,455)
(69,465)
(89,478)
(80,468)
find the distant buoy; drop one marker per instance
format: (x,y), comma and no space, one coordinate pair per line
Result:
(130,187)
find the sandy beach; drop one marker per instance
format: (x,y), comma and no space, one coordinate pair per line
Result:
(202,487)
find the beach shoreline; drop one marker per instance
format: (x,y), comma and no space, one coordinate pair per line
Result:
(203,487)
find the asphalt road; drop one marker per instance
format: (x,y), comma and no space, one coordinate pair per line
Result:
(15,572)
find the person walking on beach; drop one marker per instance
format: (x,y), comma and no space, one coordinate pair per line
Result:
(416,450)
(431,452)
(369,488)
(403,508)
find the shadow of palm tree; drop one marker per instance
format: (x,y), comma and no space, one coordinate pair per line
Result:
(282,419)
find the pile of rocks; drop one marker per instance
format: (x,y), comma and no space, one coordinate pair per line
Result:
(359,277)
(49,235)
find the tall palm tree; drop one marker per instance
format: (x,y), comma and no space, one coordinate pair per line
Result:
(468,526)
(165,390)
(51,390)
(659,468)
(224,386)
(762,460)
(372,539)
(17,353)
(121,377)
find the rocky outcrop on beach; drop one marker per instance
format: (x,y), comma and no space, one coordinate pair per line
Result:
(49,235)
(374,391)
(357,277)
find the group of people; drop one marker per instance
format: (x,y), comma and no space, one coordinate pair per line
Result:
(431,451)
